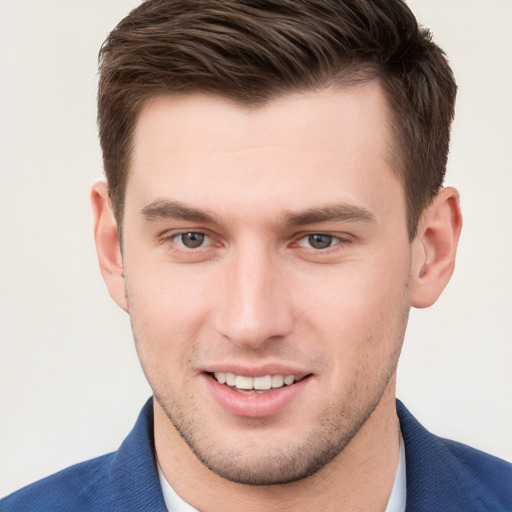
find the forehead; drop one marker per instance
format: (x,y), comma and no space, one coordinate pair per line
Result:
(317,146)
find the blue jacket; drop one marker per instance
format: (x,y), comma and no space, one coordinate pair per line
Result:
(442,476)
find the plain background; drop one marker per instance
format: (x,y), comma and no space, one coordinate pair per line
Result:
(70,383)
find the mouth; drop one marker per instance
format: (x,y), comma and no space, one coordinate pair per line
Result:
(260,395)
(255,385)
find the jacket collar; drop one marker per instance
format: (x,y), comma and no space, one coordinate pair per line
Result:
(133,471)
(433,474)
(431,485)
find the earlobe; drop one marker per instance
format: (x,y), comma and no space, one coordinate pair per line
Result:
(107,242)
(435,247)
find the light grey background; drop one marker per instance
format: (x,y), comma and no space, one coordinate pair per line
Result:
(70,382)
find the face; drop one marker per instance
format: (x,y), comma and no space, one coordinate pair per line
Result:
(267,270)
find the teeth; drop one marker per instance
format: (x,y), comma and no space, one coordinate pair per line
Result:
(262,382)
(257,383)
(289,379)
(277,381)
(242,382)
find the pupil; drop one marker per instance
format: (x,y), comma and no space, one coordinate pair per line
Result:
(192,240)
(320,241)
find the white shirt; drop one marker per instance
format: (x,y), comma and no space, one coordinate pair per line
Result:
(396,502)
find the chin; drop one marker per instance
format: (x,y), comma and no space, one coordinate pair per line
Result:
(257,456)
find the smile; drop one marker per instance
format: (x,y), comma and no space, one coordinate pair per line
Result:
(263,383)
(256,396)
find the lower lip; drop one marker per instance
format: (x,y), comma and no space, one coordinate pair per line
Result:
(255,405)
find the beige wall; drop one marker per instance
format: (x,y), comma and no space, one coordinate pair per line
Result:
(70,383)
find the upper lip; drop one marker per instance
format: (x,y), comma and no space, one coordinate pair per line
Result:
(257,371)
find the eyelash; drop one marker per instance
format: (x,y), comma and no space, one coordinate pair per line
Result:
(174,238)
(335,241)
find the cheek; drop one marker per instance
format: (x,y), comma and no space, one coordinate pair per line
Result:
(362,306)
(167,313)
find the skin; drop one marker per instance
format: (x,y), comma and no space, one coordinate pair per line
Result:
(256,295)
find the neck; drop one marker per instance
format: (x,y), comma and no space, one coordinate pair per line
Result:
(360,478)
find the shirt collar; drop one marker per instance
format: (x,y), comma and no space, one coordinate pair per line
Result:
(396,502)
(397,499)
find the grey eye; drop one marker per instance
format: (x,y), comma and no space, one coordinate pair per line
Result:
(320,241)
(192,240)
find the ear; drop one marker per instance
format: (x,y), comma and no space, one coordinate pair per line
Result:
(108,247)
(434,247)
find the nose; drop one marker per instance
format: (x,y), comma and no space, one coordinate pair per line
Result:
(255,305)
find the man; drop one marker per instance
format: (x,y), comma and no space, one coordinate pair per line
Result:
(274,207)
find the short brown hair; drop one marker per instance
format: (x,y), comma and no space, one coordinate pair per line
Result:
(251,51)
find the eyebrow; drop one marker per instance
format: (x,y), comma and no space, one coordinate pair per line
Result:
(335,212)
(162,209)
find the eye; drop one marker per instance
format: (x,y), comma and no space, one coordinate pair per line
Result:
(191,239)
(318,241)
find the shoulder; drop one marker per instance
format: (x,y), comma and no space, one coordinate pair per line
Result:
(484,474)
(120,481)
(80,487)
(446,475)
